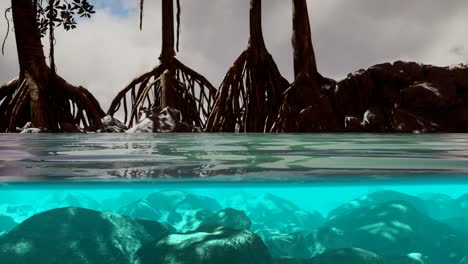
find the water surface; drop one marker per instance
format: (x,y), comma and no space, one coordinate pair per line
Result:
(233,157)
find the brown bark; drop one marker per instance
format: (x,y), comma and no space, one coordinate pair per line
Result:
(251,93)
(31,59)
(39,95)
(169,84)
(304,55)
(256,32)
(168,50)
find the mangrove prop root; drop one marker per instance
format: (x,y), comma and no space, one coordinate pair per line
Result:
(250,95)
(169,84)
(65,104)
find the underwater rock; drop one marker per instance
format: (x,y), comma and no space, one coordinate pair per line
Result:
(6,224)
(442,207)
(411,258)
(377,198)
(272,212)
(112,125)
(141,210)
(287,245)
(113,204)
(348,256)
(230,218)
(326,238)
(457,223)
(182,210)
(463,202)
(165,120)
(75,235)
(288,260)
(207,245)
(398,228)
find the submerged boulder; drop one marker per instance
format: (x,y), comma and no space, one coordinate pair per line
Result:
(182,210)
(397,228)
(348,256)
(268,211)
(376,198)
(411,258)
(441,206)
(75,235)
(229,217)
(207,245)
(326,238)
(289,260)
(287,245)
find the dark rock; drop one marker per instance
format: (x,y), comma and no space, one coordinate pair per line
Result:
(318,117)
(352,124)
(348,256)
(112,125)
(411,258)
(441,206)
(376,198)
(287,260)
(271,212)
(75,235)
(162,121)
(432,99)
(398,228)
(373,121)
(70,128)
(408,72)
(422,97)
(182,210)
(353,94)
(229,217)
(207,245)
(307,106)
(288,245)
(405,122)
(330,238)
(460,75)
(442,78)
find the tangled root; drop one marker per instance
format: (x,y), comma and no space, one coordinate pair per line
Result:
(250,95)
(23,100)
(169,84)
(305,94)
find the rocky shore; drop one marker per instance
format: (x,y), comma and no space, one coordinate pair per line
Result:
(403,97)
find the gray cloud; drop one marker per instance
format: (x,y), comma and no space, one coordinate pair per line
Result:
(105,53)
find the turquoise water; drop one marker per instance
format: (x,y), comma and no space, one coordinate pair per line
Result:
(230,157)
(212,198)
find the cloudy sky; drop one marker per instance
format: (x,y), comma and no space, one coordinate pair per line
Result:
(106,52)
